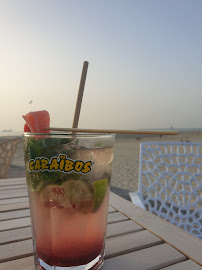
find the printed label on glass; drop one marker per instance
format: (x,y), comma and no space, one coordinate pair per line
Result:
(59,163)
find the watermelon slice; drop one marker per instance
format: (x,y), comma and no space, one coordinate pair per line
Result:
(37,122)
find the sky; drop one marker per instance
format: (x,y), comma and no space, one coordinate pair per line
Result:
(145,62)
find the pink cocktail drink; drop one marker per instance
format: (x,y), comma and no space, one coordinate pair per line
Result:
(73,238)
(68,179)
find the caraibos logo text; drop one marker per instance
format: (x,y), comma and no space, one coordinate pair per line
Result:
(59,163)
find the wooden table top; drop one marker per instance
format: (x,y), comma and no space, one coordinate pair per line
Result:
(136,239)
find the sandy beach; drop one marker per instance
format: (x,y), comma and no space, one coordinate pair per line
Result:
(126,159)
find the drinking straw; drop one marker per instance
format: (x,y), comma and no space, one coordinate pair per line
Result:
(80,95)
(140,132)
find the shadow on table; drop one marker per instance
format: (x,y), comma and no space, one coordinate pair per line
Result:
(121,192)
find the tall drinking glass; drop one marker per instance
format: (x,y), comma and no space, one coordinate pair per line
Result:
(68,179)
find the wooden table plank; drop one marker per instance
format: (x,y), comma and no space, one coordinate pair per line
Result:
(10,184)
(15,235)
(13,191)
(16,250)
(17,194)
(115,217)
(111,209)
(15,200)
(187,265)
(181,240)
(20,264)
(130,242)
(13,180)
(13,187)
(153,258)
(14,224)
(116,229)
(14,214)
(16,206)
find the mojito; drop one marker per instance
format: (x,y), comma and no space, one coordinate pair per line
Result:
(68,179)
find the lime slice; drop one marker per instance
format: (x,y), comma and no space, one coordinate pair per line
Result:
(72,195)
(100,188)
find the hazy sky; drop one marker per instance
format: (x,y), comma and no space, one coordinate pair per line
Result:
(145,62)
